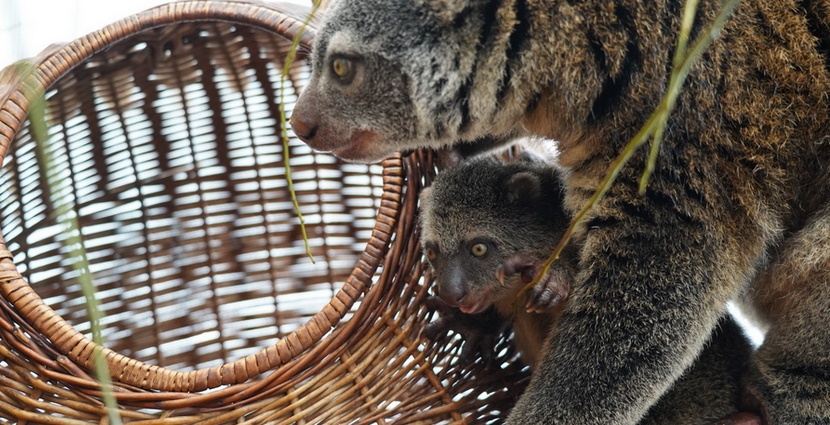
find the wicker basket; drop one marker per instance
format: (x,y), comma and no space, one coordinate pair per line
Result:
(164,148)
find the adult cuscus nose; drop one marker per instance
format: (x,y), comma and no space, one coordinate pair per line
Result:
(302,128)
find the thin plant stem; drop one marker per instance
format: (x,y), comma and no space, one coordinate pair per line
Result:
(654,126)
(689,12)
(289,60)
(65,214)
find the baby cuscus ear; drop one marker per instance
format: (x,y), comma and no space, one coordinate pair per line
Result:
(425,198)
(524,186)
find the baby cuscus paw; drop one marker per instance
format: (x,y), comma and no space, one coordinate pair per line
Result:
(549,292)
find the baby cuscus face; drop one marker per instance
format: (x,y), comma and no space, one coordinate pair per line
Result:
(480,213)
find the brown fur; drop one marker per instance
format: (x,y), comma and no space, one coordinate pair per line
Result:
(738,206)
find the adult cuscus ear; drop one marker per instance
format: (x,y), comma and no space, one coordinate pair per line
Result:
(445,10)
(523,187)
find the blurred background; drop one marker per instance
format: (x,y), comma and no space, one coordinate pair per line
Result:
(29,26)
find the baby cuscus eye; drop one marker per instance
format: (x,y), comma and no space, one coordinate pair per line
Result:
(479,249)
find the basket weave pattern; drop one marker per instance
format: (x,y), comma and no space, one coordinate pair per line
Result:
(167,152)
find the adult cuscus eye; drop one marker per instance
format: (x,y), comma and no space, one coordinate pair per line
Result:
(343,69)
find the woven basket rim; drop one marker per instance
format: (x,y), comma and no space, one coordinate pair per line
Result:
(55,62)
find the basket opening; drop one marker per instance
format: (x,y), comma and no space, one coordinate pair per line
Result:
(167,152)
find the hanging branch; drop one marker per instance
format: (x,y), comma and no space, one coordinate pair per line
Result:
(289,60)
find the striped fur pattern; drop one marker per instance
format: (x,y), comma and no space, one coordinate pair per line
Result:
(737,208)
